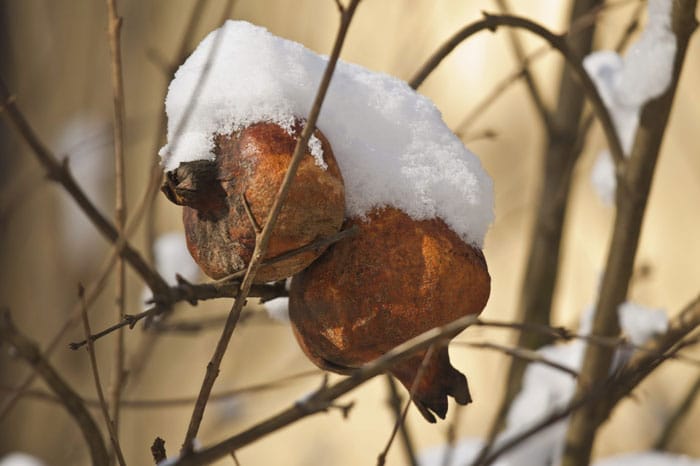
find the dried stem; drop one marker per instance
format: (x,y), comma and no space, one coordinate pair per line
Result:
(557,41)
(633,192)
(542,265)
(322,399)
(263,239)
(169,403)
(111,428)
(401,420)
(28,351)
(395,402)
(60,172)
(228,287)
(114,24)
(526,75)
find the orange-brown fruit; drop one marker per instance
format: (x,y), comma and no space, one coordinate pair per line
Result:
(250,165)
(394,280)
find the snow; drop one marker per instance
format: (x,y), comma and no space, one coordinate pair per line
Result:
(648,458)
(627,83)
(391,143)
(278,309)
(171,258)
(546,390)
(20,459)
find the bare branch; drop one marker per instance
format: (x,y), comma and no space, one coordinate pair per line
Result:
(519,52)
(114,25)
(264,237)
(321,400)
(558,42)
(395,402)
(111,428)
(607,393)
(633,192)
(59,172)
(400,420)
(28,351)
(524,354)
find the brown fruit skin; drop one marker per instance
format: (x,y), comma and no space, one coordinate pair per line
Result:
(254,161)
(394,280)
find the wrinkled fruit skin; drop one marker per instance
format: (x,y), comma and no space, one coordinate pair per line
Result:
(394,280)
(253,162)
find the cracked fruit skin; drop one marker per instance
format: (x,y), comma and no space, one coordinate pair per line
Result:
(394,280)
(250,165)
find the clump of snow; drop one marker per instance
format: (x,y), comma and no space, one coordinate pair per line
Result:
(172,257)
(391,143)
(627,83)
(278,309)
(20,459)
(640,323)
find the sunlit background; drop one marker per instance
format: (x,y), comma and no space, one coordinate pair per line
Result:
(55,59)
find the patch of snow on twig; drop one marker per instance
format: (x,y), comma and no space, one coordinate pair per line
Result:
(627,83)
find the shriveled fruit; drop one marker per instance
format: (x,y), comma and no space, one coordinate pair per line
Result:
(395,279)
(250,166)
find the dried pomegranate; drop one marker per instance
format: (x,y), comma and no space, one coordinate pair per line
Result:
(395,279)
(249,166)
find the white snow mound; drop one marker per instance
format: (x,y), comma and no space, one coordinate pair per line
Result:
(391,143)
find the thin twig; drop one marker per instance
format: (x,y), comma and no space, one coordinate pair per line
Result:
(227,287)
(519,52)
(557,41)
(611,389)
(111,428)
(263,239)
(322,399)
(565,144)
(114,24)
(395,402)
(169,403)
(28,351)
(400,420)
(60,172)
(524,354)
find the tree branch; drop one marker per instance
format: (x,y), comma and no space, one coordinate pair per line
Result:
(558,42)
(60,172)
(321,400)
(633,192)
(114,25)
(263,239)
(111,427)
(28,351)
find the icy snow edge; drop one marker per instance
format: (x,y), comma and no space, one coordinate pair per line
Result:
(391,144)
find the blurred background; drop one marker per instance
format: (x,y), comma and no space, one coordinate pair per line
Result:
(55,60)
